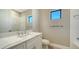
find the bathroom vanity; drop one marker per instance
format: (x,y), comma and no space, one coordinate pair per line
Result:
(30,41)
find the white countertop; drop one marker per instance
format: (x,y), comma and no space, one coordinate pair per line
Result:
(8,42)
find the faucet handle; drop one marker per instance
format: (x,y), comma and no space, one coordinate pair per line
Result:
(20,34)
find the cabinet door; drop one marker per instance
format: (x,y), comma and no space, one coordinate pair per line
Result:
(38,42)
(34,43)
(19,46)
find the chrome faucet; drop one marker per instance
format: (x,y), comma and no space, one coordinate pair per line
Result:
(21,33)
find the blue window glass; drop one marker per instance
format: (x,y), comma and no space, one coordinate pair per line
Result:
(55,15)
(30,19)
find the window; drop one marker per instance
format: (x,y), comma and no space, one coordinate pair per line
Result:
(55,14)
(30,19)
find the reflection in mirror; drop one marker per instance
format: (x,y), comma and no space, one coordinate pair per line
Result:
(24,18)
(14,20)
(8,20)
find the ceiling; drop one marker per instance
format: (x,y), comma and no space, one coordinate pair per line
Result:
(20,10)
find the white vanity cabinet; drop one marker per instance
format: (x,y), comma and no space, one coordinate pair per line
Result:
(19,46)
(30,42)
(34,43)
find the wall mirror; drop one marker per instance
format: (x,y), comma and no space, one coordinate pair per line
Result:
(14,20)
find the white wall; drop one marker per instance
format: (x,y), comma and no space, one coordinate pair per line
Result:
(55,35)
